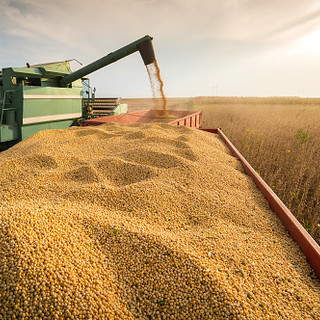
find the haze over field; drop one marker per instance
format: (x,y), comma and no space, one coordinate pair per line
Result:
(208,47)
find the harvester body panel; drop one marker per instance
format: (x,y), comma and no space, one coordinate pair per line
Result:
(50,108)
(31,100)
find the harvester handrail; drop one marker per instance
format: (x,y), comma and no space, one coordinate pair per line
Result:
(3,104)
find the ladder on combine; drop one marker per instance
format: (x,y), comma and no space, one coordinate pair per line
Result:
(102,107)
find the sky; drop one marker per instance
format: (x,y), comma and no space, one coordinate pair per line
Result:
(203,47)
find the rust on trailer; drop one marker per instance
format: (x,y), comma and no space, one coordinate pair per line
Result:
(173,117)
(299,234)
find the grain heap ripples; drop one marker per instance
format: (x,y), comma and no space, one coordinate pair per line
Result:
(142,221)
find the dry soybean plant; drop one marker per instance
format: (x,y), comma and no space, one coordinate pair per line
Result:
(280,137)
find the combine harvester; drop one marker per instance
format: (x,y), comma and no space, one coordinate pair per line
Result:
(50,96)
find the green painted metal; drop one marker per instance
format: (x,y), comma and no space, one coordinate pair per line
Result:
(9,133)
(138,45)
(119,109)
(58,66)
(27,131)
(49,101)
(49,96)
(31,100)
(10,117)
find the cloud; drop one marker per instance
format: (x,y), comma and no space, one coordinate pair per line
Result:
(191,37)
(70,21)
(35,20)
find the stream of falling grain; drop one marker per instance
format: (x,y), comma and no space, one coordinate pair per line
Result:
(160,100)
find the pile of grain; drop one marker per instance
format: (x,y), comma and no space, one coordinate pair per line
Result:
(142,222)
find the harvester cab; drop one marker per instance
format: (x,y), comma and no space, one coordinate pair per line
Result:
(50,96)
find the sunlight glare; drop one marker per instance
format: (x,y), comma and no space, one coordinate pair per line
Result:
(310,43)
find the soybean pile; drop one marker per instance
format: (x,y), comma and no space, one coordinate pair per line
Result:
(142,221)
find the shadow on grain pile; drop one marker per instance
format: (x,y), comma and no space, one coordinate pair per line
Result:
(156,279)
(144,221)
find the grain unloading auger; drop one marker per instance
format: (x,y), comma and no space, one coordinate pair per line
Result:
(50,96)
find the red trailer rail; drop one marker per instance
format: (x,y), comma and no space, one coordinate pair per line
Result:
(194,121)
(306,243)
(174,117)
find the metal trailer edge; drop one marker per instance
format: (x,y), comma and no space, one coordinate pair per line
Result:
(299,234)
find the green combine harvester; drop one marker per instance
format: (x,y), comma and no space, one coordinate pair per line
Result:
(50,96)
